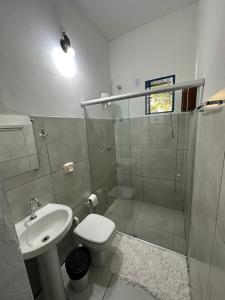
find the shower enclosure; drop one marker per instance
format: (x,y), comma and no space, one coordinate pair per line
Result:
(142,168)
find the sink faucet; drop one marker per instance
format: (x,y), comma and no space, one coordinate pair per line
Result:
(34,204)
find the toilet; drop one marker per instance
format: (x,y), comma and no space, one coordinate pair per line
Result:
(96,233)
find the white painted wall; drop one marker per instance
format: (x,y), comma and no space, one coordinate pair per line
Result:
(116,17)
(210,61)
(29,81)
(163,47)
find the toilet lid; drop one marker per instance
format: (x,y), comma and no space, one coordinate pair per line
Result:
(95,228)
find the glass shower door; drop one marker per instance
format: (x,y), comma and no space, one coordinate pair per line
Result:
(108,135)
(161,150)
(142,169)
(122,211)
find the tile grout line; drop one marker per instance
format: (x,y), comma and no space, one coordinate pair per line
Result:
(27,182)
(150,177)
(107,286)
(49,161)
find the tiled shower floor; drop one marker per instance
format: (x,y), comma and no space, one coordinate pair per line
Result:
(159,225)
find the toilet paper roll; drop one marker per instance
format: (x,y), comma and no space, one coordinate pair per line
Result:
(93,199)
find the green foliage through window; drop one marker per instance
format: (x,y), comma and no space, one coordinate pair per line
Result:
(163,102)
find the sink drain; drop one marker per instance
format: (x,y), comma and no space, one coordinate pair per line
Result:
(45,238)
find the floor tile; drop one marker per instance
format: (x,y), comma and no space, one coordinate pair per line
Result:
(99,280)
(121,290)
(157,237)
(151,223)
(123,212)
(155,217)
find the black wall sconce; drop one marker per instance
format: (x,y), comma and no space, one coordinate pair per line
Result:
(65,42)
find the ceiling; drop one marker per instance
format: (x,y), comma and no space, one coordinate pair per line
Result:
(116,17)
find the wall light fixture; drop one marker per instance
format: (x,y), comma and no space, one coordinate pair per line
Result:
(64,57)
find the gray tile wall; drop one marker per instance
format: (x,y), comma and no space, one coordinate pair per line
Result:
(150,153)
(65,141)
(207,237)
(14,283)
(102,155)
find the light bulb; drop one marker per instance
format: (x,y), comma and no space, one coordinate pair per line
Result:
(64,62)
(70,52)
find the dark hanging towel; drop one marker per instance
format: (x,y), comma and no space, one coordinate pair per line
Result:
(189,97)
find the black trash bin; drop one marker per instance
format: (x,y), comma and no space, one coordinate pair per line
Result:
(77,266)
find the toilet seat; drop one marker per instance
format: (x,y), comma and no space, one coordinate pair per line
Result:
(95,229)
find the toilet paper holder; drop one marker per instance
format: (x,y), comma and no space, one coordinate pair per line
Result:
(92,202)
(89,203)
(91,208)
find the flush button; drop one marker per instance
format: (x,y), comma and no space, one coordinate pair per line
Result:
(68,167)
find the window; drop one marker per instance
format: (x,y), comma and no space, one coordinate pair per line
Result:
(163,102)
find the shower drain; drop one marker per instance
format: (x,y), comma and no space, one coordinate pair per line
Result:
(45,238)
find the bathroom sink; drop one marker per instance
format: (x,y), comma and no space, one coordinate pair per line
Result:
(42,233)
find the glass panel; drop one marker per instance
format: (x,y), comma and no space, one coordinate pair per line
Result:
(154,174)
(191,124)
(108,133)
(122,210)
(162,153)
(142,169)
(162,102)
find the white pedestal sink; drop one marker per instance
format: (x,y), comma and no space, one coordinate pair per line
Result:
(39,238)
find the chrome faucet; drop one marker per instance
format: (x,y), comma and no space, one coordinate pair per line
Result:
(34,204)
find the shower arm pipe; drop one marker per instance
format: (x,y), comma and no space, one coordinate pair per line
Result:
(174,87)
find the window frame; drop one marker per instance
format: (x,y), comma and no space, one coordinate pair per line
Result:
(148,84)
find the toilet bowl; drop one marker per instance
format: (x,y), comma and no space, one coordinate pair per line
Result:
(96,233)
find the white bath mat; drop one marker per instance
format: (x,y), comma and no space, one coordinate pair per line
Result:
(162,273)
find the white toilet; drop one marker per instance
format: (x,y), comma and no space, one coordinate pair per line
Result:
(96,233)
